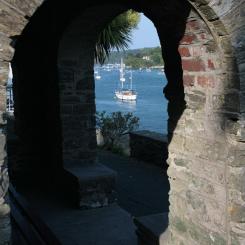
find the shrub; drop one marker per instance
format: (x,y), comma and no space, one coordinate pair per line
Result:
(114,126)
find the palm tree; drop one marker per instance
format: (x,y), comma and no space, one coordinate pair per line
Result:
(116,35)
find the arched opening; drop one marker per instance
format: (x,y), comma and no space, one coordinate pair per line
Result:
(195,127)
(139,156)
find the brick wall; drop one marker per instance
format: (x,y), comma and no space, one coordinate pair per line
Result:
(206,151)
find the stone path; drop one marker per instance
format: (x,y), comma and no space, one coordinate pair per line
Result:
(142,188)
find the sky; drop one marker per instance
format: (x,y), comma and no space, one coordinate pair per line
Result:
(145,35)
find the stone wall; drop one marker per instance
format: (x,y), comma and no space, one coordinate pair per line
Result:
(206,199)
(150,147)
(206,150)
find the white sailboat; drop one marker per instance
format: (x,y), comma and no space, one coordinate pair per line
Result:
(124,93)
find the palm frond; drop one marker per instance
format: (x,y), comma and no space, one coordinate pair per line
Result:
(116,35)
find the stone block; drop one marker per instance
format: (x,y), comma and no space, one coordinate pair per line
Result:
(95,183)
(196,100)
(3,153)
(12,21)
(188,39)
(189,80)
(236,157)
(150,228)
(184,51)
(236,178)
(228,102)
(149,146)
(196,233)
(193,65)
(27,7)
(6,51)
(201,2)
(236,212)
(177,143)
(226,45)
(206,81)
(208,12)
(219,28)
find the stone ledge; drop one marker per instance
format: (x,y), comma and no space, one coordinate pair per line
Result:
(151,135)
(152,229)
(149,147)
(95,184)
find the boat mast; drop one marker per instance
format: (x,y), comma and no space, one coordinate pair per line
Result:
(122,79)
(131,81)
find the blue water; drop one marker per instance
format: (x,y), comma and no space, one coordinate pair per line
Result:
(151,105)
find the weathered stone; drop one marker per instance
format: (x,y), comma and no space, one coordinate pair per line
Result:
(228,102)
(196,100)
(155,143)
(237,213)
(211,62)
(237,178)
(208,13)
(218,25)
(206,81)
(193,65)
(189,80)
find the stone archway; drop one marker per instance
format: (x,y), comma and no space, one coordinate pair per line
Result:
(206,148)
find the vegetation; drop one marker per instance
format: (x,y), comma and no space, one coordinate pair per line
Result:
(116,35)
(114,126)
(138,58)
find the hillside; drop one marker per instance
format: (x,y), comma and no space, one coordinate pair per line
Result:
(138,58)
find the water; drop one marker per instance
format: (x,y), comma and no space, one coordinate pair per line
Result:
(151,105)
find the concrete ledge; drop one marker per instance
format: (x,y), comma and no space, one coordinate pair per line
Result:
(46,221)
(149,147)
(95,184)
(151,229)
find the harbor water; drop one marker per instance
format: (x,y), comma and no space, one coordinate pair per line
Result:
(151,105)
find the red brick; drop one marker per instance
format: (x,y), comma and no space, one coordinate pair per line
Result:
(188,39)
(211,64)
(206,81)
(188,80)
(193,65)
(197,51)
(193,25)
(184,52)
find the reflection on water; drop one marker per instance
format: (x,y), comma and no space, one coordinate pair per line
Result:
(131,104)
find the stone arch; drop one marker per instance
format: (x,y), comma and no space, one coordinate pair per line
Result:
(227,122)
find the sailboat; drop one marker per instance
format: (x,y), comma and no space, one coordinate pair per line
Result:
(123,93)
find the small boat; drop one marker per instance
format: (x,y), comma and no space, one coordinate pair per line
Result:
(97,75)
(123,93)
(161,72)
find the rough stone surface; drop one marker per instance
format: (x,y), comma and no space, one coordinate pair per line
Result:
(149,146)
(206,134)
(96,184)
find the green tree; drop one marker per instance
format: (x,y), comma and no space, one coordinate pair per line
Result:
(116,35)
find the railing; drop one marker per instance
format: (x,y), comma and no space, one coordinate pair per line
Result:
(10,99)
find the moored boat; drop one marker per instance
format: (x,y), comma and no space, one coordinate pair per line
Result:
(123,93)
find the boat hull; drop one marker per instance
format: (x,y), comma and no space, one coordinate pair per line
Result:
(125,95)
